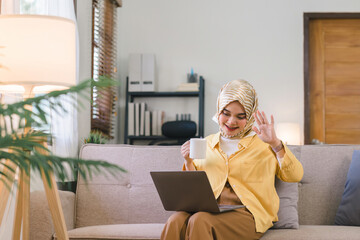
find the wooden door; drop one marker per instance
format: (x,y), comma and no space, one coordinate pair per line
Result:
(334,81)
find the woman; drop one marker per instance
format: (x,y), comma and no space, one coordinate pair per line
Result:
(241,163)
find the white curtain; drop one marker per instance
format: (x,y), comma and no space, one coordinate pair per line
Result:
(63,126)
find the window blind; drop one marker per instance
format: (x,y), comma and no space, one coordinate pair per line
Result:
(104,64)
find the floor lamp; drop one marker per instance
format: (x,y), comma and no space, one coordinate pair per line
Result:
(37,55)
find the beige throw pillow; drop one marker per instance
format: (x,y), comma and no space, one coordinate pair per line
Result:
(288,214)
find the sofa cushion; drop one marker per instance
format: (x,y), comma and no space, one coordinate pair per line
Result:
(320,190)
(41,224)
(288,194)
(349,210)
(118,231)
(130,198)
(287,214)
(318,232)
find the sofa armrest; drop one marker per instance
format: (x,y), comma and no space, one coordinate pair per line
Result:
(41,225)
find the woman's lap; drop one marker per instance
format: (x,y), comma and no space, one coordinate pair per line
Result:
(237,224)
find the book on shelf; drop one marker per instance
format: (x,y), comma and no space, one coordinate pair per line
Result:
(135,81)
(142,122)
(154,121)
(188,87)
(137,119)
(131,119)
(148,72)
(147,123)
(142,118)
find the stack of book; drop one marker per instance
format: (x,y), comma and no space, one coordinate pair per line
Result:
(188,87)
(142,122)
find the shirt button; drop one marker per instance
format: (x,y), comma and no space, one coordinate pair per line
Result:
(227,163)
(234,185)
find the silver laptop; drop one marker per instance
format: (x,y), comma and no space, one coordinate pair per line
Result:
(188,191)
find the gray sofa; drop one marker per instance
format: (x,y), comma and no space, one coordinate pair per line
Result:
(129,207)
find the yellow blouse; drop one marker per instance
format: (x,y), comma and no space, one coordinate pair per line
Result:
(251,172)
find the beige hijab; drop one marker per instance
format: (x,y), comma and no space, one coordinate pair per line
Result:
(244,93)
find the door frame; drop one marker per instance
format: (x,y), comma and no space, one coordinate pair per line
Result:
(307,18)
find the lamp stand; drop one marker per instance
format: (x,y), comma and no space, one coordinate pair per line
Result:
(21,221)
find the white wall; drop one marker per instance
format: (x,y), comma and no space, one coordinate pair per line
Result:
(260,41)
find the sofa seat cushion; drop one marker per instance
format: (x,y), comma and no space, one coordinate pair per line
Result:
(144,231)
(318,232)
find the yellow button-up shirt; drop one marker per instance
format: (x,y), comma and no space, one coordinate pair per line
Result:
(251,173)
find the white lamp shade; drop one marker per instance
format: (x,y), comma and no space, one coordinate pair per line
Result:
(289,133)
(37,50)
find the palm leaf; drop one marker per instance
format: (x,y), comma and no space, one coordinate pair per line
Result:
(26,149)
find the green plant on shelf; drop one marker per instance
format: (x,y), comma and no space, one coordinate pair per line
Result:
(96,137)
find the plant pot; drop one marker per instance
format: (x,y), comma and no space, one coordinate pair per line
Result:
(67,186)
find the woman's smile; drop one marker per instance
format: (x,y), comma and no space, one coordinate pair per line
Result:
(231,128)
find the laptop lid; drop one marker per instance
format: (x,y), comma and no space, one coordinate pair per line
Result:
(188,191)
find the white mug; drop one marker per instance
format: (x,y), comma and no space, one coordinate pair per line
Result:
(198,148)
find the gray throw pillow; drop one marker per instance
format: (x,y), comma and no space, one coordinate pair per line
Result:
(287,214)
(348,212)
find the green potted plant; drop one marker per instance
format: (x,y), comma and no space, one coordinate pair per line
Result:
(96,137)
